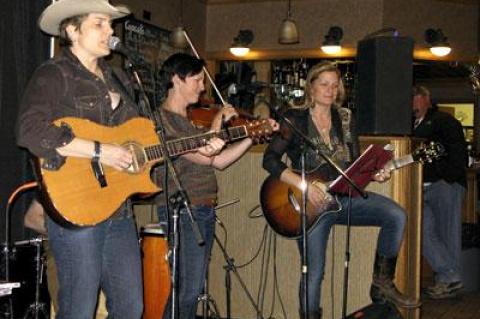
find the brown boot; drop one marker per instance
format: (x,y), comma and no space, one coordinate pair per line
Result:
(312,314)
(383,289)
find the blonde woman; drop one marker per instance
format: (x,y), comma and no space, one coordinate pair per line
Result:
(331,127)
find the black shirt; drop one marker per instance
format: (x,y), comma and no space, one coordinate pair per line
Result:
(443,128)
(344,144)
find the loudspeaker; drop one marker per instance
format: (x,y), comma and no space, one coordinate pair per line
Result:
(376,311)
(384,89)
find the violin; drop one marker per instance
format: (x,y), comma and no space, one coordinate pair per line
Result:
(203,116)
(258,130)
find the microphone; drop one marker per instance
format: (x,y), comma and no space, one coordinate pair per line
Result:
(115,44)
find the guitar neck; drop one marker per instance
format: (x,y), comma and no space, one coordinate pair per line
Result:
(400,162)
(187,144)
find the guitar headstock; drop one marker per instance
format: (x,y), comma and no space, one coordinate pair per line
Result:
(259,130)
(429,152)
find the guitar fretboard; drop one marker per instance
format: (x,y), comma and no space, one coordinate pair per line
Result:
(184,145)
(400,162)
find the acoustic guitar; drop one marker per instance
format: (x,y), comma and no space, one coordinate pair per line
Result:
(75,197)
(281,202)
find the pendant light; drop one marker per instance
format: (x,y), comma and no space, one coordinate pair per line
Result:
(177,37)
(288,29)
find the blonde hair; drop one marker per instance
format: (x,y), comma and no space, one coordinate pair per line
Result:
(314,73)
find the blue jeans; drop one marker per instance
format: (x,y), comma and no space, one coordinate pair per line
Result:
(105,256)
(442,229)
(192,258)
(376,210)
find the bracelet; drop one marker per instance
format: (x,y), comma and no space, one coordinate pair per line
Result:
(96,151)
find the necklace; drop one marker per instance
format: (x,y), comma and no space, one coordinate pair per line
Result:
(323,129)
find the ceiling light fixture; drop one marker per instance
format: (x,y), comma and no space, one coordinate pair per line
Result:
(331,44)
(438,42)
(240,45)
(288,29)
(177,37)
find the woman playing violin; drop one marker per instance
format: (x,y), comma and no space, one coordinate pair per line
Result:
(331,127)
(183,80)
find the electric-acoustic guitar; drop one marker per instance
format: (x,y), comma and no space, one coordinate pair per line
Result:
(75,197)
(281,202)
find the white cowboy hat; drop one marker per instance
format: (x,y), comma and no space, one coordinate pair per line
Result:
(54,14)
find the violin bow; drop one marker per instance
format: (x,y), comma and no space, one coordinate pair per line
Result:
(204,68)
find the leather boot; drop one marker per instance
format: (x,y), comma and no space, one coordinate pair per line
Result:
(383,289)
(312,314)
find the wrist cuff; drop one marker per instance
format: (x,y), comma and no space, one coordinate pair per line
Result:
(96,150)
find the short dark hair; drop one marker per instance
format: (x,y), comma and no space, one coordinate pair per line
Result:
(180,64)
(183,65)
(76,21)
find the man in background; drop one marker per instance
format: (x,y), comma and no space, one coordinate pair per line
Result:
(443,193)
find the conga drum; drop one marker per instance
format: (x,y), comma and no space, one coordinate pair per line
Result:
(156,272)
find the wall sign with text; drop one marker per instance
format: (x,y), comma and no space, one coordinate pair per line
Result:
(152,44)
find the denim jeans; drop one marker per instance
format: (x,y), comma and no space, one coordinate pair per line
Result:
(105,256)
(192,258)
(376,210)
(442,229)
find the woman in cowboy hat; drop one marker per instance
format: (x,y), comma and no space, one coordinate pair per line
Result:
(79,83)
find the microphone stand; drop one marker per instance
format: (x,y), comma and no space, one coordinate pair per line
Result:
(303,220)
(306,141)
(231,267)
(179,199)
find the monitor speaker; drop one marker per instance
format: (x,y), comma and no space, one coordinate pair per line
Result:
(384,90)
(376,311)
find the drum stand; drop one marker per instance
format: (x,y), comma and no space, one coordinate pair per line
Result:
(37,309)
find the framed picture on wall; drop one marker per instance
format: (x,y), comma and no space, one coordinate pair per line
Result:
(463,112)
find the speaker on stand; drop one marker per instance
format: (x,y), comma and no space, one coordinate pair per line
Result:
(384,90)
